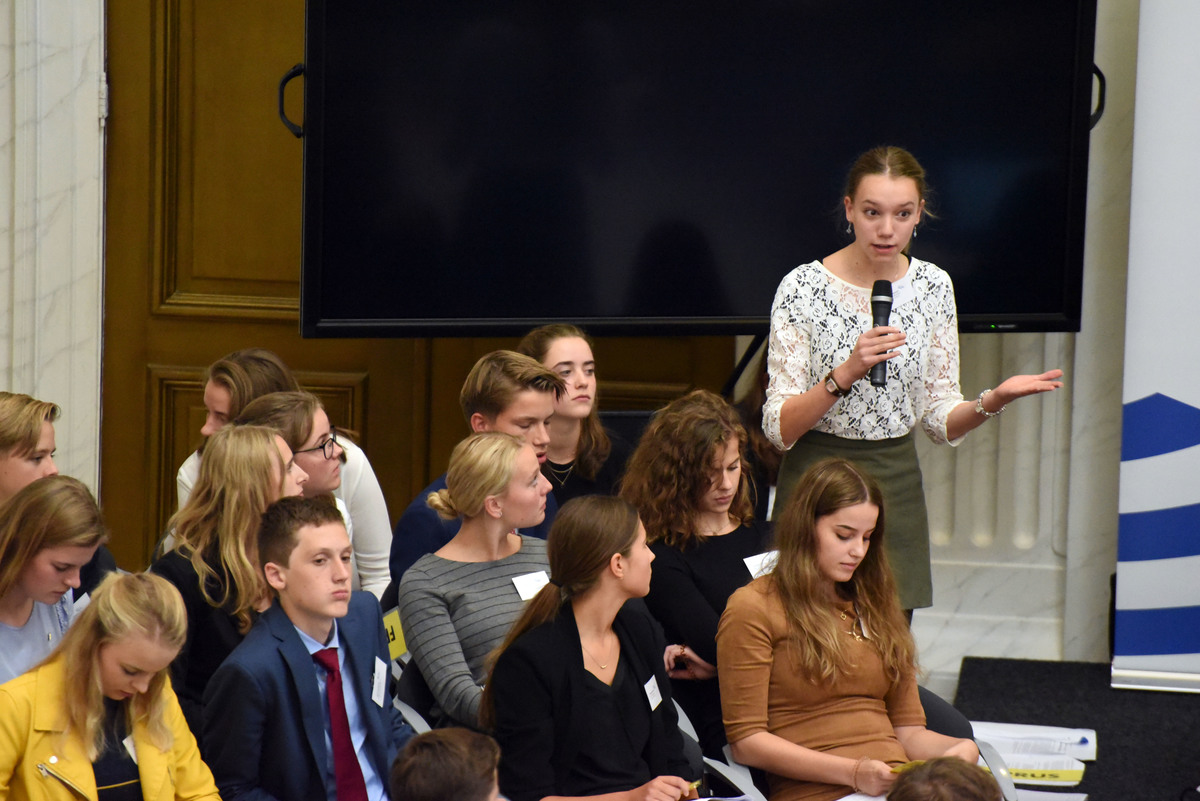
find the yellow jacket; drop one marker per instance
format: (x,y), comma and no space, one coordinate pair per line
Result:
(37,763)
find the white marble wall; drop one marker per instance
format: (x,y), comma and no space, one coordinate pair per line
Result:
(51,201)
(1025,514)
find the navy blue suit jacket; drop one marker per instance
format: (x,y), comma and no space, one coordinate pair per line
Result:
(264,729)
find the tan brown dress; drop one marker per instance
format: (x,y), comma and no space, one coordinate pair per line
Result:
(762,690)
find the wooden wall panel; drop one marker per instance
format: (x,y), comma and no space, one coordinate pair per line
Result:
(202,224)
(229,188)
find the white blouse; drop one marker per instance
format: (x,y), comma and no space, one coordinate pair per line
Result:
(816,319)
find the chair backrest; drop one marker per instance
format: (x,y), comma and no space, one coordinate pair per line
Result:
(411,689)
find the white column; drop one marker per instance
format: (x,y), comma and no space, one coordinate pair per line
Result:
(51,215)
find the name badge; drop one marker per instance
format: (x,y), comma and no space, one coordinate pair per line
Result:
(379,682)
(902,291)
(130,748)
(530,584)
(652,693)
(761,564)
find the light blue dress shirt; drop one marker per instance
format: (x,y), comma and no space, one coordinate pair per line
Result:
(358,731)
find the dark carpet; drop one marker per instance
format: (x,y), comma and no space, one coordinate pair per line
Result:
(1148,743)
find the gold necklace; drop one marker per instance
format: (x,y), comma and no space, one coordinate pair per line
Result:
(856,628)
(593,656)
(560,475)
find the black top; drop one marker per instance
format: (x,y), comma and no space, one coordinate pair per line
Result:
(689,588)
(116,773)
(610,757)
(688,592)
(567,483)
(212,633)
(542,717)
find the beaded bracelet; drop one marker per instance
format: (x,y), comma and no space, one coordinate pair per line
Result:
(979,405)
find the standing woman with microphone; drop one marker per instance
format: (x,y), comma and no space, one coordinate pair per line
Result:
(824,341)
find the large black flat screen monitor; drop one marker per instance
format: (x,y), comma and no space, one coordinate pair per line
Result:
(657,166)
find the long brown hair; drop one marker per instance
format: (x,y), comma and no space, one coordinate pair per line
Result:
(671,469)
(827,486)
(51,512)
(124,604)
(586,533)
(594,444)
(241,474)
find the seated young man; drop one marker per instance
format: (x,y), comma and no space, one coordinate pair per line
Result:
(505,391)
(447,765)
(300,711)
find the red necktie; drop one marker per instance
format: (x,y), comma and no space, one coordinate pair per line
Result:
(346,770)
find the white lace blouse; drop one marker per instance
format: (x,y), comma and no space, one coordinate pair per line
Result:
(815,320)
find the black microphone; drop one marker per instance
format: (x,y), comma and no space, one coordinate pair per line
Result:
(881,310)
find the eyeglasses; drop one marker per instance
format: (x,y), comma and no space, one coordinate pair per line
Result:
(326,447)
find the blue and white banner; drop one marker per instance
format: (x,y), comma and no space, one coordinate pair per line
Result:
(1157,637)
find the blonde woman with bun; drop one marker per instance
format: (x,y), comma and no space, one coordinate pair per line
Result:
(457,603)
(214,564)
(98,719)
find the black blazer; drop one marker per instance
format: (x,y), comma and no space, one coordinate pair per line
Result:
(538,694)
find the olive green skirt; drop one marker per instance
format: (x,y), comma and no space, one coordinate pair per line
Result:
(892,463)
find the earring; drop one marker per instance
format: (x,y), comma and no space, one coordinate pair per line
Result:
(850,228)
(914,232)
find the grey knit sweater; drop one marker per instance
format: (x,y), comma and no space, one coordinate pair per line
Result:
(454,614)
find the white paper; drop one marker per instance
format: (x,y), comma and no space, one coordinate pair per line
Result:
(1020,738)
(761,564)
(530,584)
(652,693)
(379,682)
(1052,771)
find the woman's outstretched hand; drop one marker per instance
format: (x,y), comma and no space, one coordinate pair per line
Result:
(1018,386)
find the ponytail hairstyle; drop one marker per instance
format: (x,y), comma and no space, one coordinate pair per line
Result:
(586,533)
(124,604)
(248,374)
(594,444)
(241,474)
(51,512)
(481,466)
(671,469)
(827,486)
